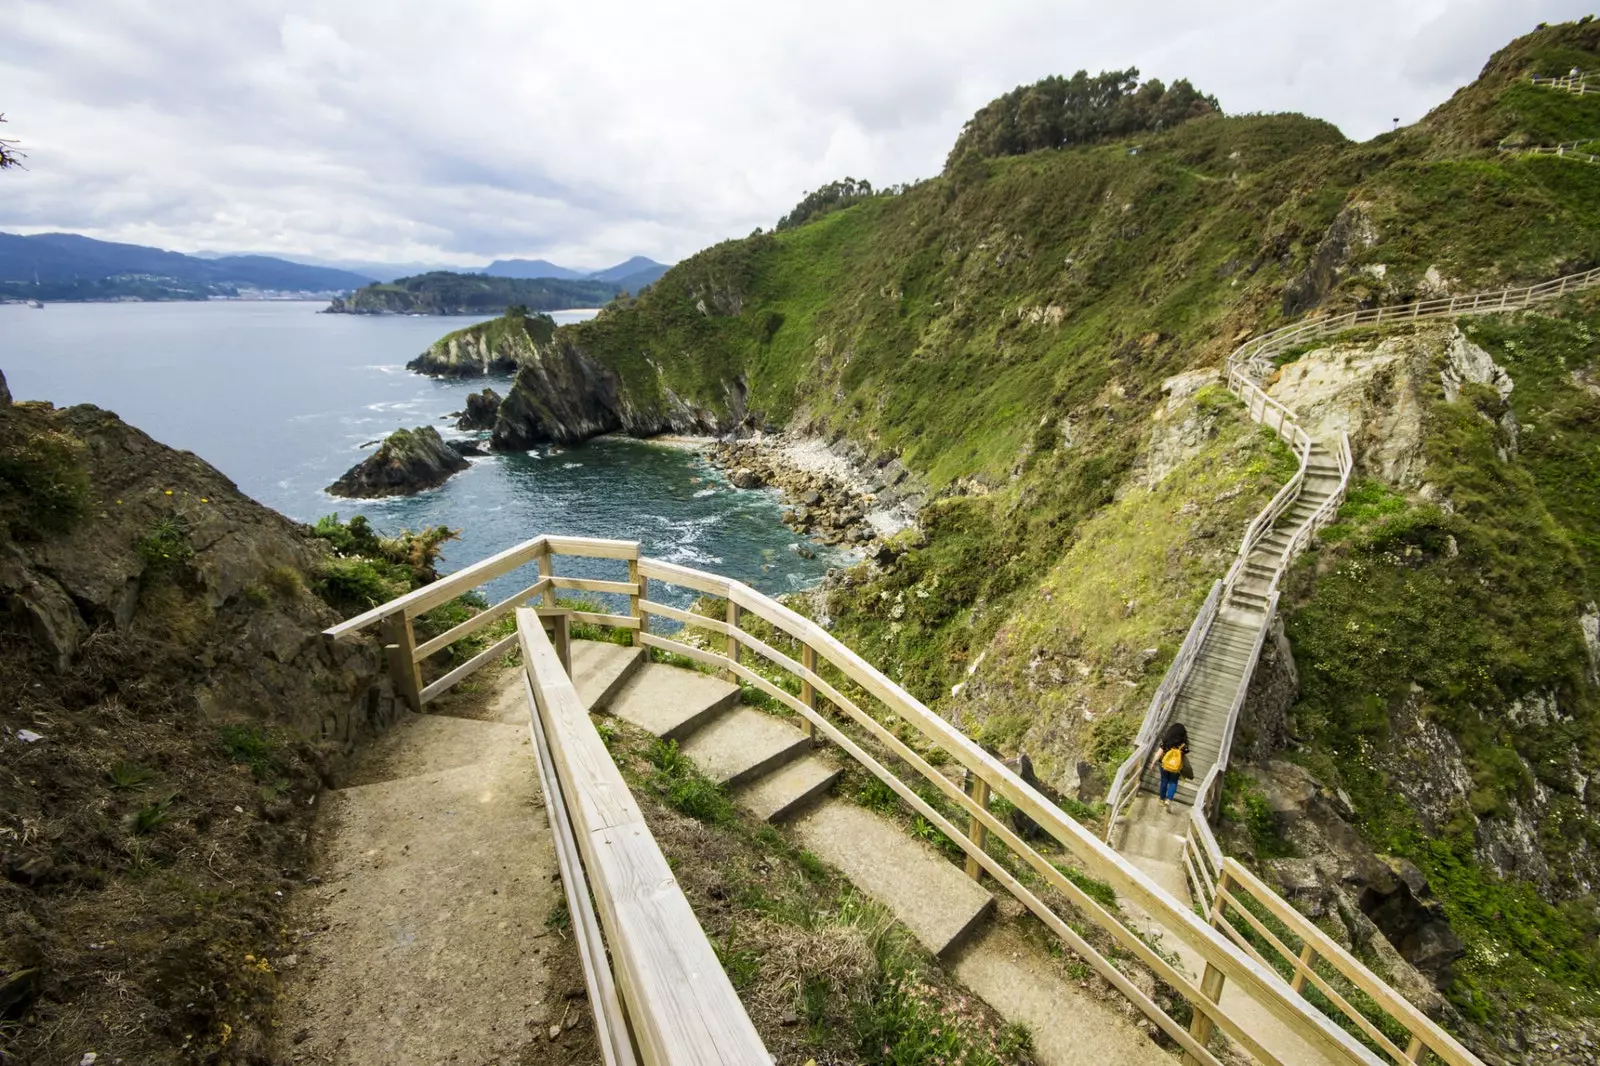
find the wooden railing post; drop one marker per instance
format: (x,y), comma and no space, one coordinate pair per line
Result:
(400,649)
(976,831)
(808,691)
(733,638)
(1202,1025)
(559,622)
(1415,1049)
(640,586)
(546,569)
(1308,958)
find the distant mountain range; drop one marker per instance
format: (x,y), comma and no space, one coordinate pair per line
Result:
(631,275)
(67,266)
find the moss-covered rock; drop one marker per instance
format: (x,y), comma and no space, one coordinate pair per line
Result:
(407,462)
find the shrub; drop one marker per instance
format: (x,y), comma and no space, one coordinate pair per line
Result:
(166,548)
(43,485)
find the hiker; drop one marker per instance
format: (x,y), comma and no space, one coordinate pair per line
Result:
(1172,757)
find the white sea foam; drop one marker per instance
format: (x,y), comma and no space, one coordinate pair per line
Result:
(705,492)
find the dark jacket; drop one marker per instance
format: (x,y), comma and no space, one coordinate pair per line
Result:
(1176,736)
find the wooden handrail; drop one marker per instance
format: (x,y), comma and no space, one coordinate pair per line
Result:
(681,1007)
(1425,1032)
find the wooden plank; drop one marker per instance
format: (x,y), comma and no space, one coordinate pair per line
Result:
(683,577)
(610,1020)
(593,547)
(808,691)
(595,790)
(446,588)
(547,570)
(681,1005)
(589,584)
(733,632)
(976,831)
(688,618)
(479,620)
(596,618)
(471,666)
(1441,1043)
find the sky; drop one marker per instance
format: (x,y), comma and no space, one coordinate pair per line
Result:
(454,132)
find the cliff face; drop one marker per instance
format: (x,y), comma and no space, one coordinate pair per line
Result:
(562,395)
(170,713)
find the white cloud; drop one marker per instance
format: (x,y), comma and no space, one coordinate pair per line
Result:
(408,130)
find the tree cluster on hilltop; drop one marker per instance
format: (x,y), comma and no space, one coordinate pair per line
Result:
(831,197)
(1057,111)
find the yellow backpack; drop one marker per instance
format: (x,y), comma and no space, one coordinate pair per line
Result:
(1172,760)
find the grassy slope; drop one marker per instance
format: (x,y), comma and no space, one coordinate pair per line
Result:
(1461,614)
(962,323)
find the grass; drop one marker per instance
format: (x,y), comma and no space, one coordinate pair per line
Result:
(44,486)
(260,749)
(165,548)
(1413,614)
(125,776)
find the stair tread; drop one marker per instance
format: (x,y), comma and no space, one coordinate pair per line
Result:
(934,898)
(670,701)
(600,668)
(778,794)
(740,743)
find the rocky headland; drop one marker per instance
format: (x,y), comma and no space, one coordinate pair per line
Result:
(406,463)
(495,348)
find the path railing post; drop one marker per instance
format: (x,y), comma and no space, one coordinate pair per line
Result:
(1308,958)
(547,569)
(733,638)
(639,593)
(808,692)
(976,831)
(400,650)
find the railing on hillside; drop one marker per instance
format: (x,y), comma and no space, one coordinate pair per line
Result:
(821,674)
(1572,83)
(1275,934)
(1569,150)
(1258,350)
(1125,785)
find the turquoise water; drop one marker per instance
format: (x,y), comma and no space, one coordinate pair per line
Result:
(281,399)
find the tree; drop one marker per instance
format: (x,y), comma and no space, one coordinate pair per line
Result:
(9,156)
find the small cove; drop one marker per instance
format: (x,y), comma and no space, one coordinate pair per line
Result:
(281,399)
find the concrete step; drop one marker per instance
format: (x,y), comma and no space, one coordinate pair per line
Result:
(931,896)
(600,669)
(742,743)
(669,701)
(783,792)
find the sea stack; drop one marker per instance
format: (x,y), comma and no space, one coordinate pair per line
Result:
(406,463)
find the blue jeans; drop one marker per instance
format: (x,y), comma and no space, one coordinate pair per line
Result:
(1169,784)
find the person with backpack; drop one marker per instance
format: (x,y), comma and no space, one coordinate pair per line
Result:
(1172,756)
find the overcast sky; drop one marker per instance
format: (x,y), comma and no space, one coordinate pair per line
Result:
(456,131)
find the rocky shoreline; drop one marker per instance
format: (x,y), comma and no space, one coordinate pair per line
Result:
(837,495)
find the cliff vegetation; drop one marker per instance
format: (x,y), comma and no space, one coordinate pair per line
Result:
(1006,330)
(442,292)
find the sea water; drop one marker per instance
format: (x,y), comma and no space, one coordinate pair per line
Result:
(283,400)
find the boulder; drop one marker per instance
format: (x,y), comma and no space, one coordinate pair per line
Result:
(745,478)
(468,446)
(481,410)
(406,463)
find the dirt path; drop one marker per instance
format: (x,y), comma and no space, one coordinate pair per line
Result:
(427,941)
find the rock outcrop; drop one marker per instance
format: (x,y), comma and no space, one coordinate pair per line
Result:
(5,391)
(481,411)
(562,396)
(494,348)
(170,708)
(406,463)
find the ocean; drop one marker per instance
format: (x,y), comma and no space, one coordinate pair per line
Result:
(282,399)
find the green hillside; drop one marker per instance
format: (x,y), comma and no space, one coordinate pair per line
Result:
(1005,328)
